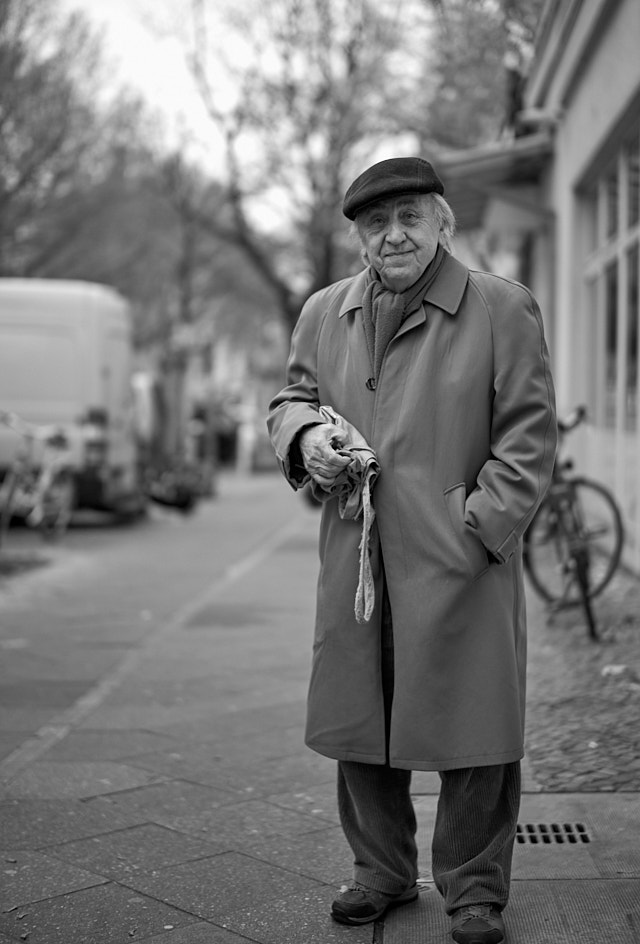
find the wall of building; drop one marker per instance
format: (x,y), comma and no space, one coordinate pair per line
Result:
(588,76)
(589,91)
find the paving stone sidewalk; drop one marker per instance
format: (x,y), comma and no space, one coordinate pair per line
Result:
(182,808)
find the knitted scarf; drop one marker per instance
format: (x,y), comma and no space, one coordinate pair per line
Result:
(384,310)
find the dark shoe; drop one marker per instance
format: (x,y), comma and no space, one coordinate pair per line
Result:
(477,924)
(360,905)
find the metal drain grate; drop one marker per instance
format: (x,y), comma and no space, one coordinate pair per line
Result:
(548,833)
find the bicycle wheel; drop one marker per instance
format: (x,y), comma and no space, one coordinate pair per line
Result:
(549,554)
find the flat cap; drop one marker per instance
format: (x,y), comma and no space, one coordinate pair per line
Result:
(390,179)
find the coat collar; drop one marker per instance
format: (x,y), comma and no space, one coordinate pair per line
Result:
(446,291)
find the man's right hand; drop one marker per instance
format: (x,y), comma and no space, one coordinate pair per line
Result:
(318,445)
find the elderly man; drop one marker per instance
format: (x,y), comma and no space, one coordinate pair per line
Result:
(444,372)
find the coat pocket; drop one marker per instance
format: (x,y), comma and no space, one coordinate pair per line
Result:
(471,546)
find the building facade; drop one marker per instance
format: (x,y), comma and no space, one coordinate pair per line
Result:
(562,202)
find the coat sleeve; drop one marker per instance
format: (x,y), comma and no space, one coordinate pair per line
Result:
(513,481)
(297,404)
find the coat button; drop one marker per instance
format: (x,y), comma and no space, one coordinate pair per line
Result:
(371,383)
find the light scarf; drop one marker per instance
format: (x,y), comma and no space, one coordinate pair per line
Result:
(352,488)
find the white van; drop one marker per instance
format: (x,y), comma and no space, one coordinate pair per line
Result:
(66,360)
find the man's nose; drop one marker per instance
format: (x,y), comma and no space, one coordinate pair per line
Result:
(395,233)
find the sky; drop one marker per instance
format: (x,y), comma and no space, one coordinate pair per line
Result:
(149,59)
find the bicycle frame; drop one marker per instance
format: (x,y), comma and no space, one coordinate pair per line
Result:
(573,544)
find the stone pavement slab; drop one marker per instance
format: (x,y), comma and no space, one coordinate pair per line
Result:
(36,824)
(201,933)
(162,803)
(127,852)
(23,720)
(239,824)
(49,693)
(299,919)
(565,862)
(66,779)
(323,855)
(219,885)
(30,876)
(298,771)
(317,799)
(108,745)
(541,912)
(108,914)
(9,742)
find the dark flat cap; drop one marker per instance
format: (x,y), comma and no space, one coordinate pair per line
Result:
(390,179)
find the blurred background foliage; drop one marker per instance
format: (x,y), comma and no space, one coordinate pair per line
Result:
(303,95)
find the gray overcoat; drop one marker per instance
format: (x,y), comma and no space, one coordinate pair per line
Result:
(463,424)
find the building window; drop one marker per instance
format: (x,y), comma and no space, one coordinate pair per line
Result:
(633,177)
(611,341)
(611,191)
(632,352)
(612,276)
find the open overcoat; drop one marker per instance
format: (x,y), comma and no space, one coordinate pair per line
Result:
(462,421)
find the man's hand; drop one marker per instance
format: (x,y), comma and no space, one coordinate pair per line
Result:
(318,446)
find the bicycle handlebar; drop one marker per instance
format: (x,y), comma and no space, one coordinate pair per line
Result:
(574,419)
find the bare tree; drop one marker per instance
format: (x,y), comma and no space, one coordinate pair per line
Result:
(315,87)
(88,189)
(47,125)
(482,49)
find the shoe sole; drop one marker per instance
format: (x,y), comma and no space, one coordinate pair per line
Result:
(479,940)
(479,937)
(405,899)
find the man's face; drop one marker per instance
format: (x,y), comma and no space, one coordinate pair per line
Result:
(400,237)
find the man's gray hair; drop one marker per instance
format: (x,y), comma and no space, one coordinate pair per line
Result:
(444,217)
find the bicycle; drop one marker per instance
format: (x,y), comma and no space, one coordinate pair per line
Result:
(573,545)
(38,486)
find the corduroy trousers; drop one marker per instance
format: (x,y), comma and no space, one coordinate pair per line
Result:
(475,826)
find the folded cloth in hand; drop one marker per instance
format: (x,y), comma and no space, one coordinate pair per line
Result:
(352,488)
